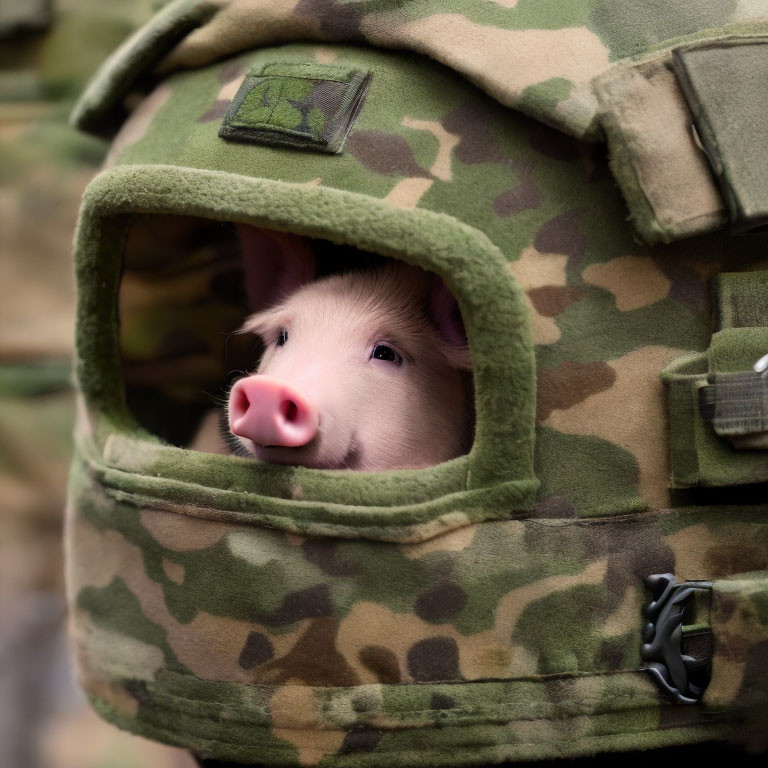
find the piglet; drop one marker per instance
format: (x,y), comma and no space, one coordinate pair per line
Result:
(365,370)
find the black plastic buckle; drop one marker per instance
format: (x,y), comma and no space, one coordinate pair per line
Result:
(682,677)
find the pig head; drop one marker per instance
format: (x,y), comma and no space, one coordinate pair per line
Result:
(365,370)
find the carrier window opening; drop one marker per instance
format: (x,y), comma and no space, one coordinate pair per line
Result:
(291,350)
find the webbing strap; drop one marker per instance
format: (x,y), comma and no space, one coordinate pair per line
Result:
(735,400)
(735,403)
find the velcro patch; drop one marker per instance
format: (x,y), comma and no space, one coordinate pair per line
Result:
(305,106)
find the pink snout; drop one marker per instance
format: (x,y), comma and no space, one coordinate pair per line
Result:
(271,412)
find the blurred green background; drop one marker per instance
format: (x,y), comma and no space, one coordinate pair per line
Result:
(48,50)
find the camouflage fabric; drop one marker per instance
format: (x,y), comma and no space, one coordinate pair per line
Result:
(482,610)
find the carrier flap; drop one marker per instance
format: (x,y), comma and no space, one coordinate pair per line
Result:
(576,69)
(530,56)
(724,84)
(686,132)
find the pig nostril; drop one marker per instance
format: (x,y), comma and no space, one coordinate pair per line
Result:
(289,410)
(242,404)
(270,412)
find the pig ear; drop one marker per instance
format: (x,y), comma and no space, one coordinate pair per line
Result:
(445,313)
(275,264)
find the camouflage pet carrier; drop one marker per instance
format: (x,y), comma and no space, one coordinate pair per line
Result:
(593,574)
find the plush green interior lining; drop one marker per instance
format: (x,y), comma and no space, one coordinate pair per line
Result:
(496,322)
(130,455)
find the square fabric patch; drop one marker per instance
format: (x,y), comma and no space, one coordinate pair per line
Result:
(305,106)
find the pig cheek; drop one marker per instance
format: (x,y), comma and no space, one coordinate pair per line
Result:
(417,419)
(340,402)
(447,414)
(384,433)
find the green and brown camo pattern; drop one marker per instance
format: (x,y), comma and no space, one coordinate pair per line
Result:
(572,65)
(513,639)
(257,645)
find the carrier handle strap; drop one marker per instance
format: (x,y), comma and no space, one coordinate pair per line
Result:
(726,87)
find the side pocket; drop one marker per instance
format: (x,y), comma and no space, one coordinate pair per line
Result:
(718,400)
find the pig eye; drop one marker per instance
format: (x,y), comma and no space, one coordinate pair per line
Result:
(385,352)
(282,337)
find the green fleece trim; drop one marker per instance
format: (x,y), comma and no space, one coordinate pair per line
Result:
(403,521)
(419,503)
(488,722)
(303,106)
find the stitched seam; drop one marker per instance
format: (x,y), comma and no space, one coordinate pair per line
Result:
(174,735)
